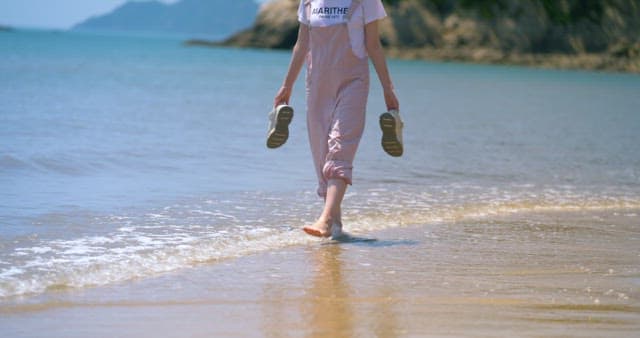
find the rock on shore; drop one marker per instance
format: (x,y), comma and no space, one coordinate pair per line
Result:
(560,34)
(275,27)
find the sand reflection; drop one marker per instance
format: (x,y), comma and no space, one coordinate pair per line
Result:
(327,305)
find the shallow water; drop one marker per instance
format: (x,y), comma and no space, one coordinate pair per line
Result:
(124,158)
(552,273)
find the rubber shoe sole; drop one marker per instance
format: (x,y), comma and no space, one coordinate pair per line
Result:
(390,142)
(280,133)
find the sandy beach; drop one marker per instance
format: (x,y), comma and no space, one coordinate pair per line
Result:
(549,274)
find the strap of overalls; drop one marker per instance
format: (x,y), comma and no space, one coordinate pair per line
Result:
(354,5)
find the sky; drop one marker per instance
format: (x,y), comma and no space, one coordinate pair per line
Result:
(56,14)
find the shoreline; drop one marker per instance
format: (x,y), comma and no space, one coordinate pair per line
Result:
(589,62)
(538,274)
(602,62)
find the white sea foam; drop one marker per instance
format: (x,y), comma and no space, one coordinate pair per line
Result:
(183,236)
(35,250)
(11,271)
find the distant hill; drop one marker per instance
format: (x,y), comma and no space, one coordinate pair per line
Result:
(213,19)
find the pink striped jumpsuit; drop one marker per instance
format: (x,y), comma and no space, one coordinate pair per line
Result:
(337,89)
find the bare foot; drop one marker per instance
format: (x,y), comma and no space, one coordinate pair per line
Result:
(321,228)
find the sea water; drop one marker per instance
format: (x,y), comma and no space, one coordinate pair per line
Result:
(125,157)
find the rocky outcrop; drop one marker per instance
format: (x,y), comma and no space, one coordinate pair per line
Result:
(5,28)
(275,27)
(560,33)
(594,34)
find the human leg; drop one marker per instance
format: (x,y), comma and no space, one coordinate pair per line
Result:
(331,215)
(334,153)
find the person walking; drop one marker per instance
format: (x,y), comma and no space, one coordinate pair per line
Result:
(336,39)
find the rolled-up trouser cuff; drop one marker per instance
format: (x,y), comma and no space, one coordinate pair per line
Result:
(337,169)
(334,170)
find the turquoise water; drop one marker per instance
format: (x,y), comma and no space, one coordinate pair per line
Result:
(126,157)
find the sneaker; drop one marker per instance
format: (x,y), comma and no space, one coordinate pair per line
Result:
(391,125)
(279,119)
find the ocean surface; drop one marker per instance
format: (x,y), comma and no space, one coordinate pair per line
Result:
(124,158)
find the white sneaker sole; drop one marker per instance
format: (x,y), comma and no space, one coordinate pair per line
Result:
(280,133)
(390,141)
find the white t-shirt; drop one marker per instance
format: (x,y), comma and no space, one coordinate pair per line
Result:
(331,12)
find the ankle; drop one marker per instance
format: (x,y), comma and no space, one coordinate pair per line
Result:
(325,218)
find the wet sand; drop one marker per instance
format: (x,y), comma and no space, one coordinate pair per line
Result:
(546,274)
